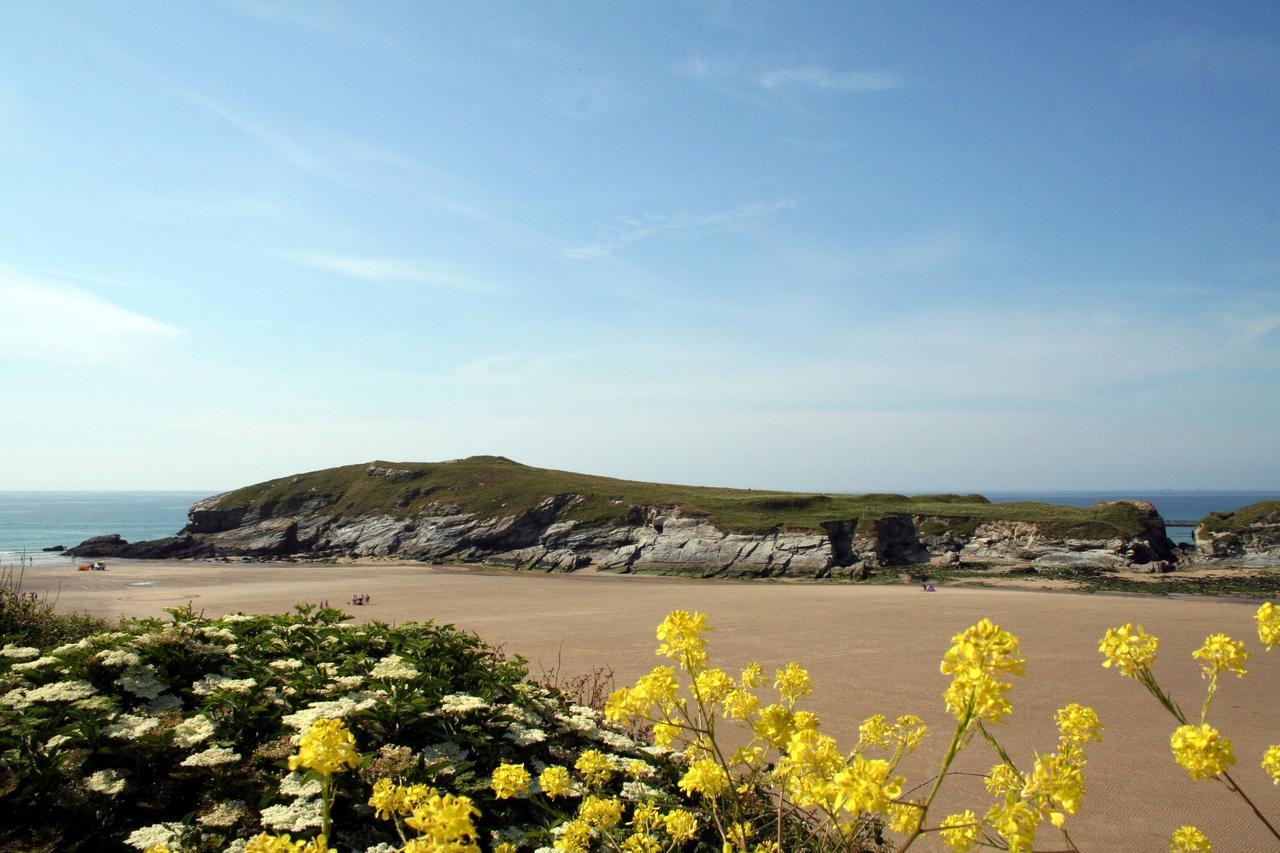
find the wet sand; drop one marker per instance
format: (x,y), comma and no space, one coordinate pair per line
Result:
(869,648)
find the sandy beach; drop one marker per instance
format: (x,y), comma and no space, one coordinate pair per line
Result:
(869,648)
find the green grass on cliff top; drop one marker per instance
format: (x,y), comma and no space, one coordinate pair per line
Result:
(493,486)
(1264,512)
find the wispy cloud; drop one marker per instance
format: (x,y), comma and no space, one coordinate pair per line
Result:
(632,229)
(1239,58)
(817,77)
(283,145)
(50,321)
(387,270)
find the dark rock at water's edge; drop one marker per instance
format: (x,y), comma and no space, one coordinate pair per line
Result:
(55,548)
(112,545)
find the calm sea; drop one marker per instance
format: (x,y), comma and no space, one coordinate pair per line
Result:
(30,521)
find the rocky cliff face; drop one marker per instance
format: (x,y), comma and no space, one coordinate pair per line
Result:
(651,538)
(1248,537)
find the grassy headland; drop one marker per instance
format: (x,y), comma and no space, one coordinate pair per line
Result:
(493,486)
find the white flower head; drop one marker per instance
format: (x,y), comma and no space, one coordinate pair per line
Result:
(130,727)
(298,816)
(458,704)
(213,683)
(394,668)
(37,664)
(156,835)
(107,782)
(214,756)
(61,691)
(19,652)
(141,681)
(193,730)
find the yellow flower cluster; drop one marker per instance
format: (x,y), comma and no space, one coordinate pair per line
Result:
(1219,654)
(961,832)
(705,776)
(977,656)
(1130,648)
(510,780)
(1188,839)
(327,747)
(445,822)
(681,637)
(594,768)
(1201,750)
(555,781)
(1268,618)
(266,843)
(1271,762)
(1078,724)
(905,733)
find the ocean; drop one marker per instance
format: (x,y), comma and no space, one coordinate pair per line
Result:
(30,521)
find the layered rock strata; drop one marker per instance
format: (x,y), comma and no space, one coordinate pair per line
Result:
(649,538)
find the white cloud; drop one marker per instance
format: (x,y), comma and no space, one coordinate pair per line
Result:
(387,269)
(839,81)
(632,229)
(55,322)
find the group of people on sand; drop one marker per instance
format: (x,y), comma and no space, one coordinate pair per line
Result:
(361,600)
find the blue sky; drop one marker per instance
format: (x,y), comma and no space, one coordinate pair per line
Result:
(847,246)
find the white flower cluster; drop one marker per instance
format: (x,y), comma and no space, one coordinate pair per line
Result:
(141,681)
(156,835)
(164,702)
(193,730)
(298,816)
(286,664)
(38,663)
(60,691)
(117,657)
(639,792)
(394,668)
(522,735)
(211,757)
(223,814)
(107,782)
(130,727)
(233,618)
(77,646)
(213,683)
(19,652)
(338,709)
(458,704)
(296,784)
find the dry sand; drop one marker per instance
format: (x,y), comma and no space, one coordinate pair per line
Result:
(869,648)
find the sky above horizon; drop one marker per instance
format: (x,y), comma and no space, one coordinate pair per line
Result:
(846,247)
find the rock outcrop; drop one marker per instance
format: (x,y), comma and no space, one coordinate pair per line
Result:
(1250,536)
(652,538)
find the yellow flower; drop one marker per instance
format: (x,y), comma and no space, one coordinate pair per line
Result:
(505,847)
(808,767)
(1268,618)
(705,777)
(555,781)
(976,657)
(641,843)
(680,825)
(1220,653)
(1188,839)
(387,798)
(575,837)
(447,822)
(264,843)
(712,685)
(1271,762)
(792,683)
(1003,780)
(601,812)
(1201,751)
(510,780)
(658,687)
(681,637)
(904,817)
(960,832)
(1016,822)
(774,724)
(1130,648)
(752,675)
(594,768)
(664,734)
(874,731)
(738,836)
(1057,779)
(865,786)
(740,704)
(645,816)
(1078,724)
(327,747)
(157,848)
